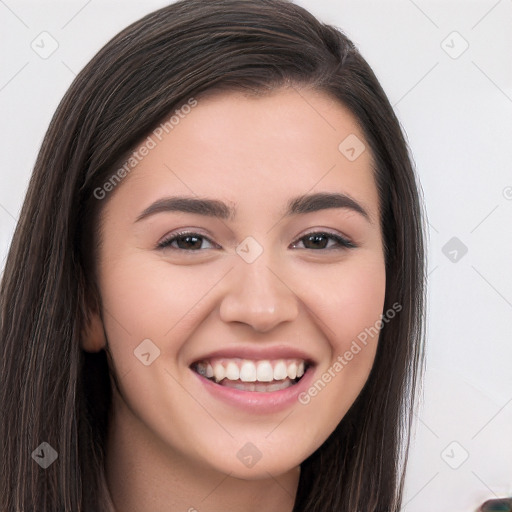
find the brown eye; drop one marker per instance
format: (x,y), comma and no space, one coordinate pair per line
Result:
(186,241)
(320,240)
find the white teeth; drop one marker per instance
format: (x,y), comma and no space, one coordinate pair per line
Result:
(280,372)
(292,371)
(232,371)
(248,372)
(218,372)
(264,371)
(251,371)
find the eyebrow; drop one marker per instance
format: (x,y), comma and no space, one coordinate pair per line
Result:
(303,204)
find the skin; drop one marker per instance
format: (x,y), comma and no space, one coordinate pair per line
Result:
(171,445)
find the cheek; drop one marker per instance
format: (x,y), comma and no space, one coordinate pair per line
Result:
(353,305)
(129,298)
(146,294)
(349,306)
(146,298)
(350,300)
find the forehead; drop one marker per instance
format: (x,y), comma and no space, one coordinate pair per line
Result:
(248,148)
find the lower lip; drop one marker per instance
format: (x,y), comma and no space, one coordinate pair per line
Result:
(256,401)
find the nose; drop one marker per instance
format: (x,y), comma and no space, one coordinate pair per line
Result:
(259,296)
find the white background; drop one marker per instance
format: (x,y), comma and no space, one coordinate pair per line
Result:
(457,114)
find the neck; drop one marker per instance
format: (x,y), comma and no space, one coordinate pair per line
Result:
(142,474)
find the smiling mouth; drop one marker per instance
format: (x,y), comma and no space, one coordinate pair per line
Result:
(263,376)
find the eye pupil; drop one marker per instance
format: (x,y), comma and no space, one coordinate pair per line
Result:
(195,245)
(316,239)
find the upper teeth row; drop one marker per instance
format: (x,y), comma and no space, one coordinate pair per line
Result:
(252,371)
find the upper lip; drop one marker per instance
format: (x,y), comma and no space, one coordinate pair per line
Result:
(257,353)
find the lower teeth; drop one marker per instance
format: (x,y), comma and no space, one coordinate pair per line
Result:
(261,387)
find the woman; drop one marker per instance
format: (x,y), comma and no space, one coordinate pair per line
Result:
(277,365)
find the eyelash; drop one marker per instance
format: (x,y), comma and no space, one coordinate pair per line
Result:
(342,242)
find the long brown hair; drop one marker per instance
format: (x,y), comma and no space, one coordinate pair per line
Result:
(53,391)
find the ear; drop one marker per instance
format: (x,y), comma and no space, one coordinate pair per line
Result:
(93,335)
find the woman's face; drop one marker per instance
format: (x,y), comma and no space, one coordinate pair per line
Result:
(281,267)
